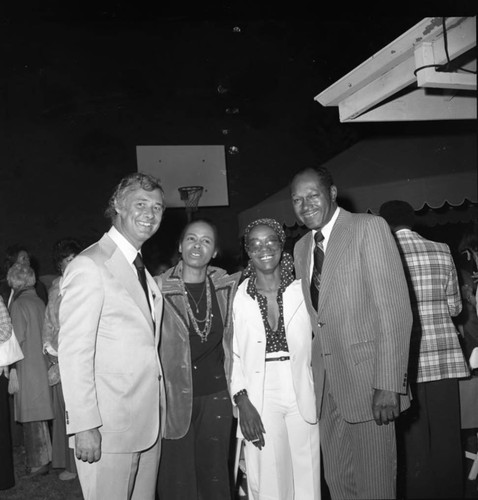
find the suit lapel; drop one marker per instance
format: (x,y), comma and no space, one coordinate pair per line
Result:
(174,298)
(304,257)
(225,287)
(157,301)
(120,268)
(336,246)
(292,301)
(306,265)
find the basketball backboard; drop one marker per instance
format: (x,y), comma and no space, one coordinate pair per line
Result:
(178,166)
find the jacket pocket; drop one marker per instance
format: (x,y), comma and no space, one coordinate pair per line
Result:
(113,402)
(362,351)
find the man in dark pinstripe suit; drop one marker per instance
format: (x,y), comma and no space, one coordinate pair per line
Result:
(362,322)
(429,433)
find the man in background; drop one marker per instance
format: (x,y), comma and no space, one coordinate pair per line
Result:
(108,350)
(429,433)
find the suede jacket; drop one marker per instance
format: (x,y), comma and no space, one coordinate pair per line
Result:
(175,350)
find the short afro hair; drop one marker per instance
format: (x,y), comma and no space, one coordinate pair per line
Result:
(398,213)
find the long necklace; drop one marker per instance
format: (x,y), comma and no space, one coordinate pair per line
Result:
(194,300)
(204,332)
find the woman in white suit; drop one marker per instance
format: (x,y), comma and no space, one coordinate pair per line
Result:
(272,384)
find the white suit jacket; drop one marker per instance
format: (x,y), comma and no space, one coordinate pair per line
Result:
(249,349)
(108,350)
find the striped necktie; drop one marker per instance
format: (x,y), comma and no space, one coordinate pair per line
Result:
(317,271)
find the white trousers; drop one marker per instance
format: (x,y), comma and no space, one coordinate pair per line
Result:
(121,476)
(288,466)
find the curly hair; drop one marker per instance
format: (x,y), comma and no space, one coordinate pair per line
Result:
(64,248)
(11,256)
(398,213)
(21,276)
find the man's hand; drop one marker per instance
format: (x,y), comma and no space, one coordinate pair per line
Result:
(385,406)
(88,445)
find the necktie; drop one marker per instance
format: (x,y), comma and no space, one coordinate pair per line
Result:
(138,263)
(317,271)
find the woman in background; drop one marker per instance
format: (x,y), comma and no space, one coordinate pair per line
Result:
(195,353)
(28,377)
(272,382)
(64,251)
(19,254)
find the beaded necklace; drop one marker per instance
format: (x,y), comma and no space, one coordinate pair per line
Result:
(206,330)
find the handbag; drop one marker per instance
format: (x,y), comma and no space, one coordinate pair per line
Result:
(10,351)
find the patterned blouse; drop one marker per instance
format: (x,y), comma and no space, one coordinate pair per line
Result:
(275,340)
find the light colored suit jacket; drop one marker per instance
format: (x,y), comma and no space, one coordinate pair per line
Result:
(108,350)
(249,349)
(363,324)
(435,351)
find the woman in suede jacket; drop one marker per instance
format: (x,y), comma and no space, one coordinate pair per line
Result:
(195,352)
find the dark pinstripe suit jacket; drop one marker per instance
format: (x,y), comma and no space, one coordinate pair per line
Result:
(363,324)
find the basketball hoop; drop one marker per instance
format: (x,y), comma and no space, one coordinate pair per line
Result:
(190,195)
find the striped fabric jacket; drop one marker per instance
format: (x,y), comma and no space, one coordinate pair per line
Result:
(435,351)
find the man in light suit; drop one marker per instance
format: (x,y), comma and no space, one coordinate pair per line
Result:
(429,433)
(108,351)
(362,322)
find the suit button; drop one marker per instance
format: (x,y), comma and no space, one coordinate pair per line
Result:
(159,377)
(320,325)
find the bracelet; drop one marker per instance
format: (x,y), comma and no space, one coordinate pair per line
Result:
(242,392)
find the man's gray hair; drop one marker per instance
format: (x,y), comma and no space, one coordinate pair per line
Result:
(130,183)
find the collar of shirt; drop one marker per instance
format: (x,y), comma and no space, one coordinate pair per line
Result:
(327,229)
(130,253)
(124,245)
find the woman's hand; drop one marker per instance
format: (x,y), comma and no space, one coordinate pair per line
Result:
(251,423)
(48,349)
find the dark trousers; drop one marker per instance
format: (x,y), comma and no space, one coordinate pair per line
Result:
(7,477)
(63,457)
(430,454)
(195,467)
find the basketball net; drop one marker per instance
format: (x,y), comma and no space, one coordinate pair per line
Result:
(190,195)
